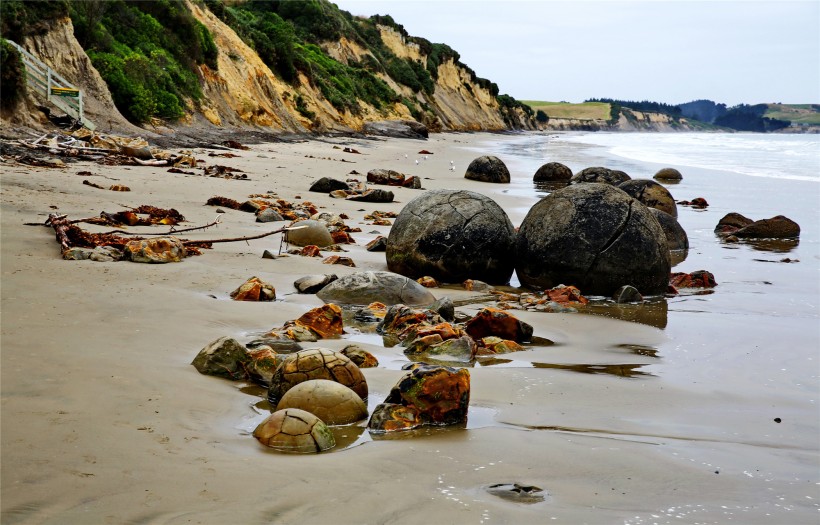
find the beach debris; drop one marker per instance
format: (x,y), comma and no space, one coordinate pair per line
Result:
(318,323)
(316,363)
(495,322)
(452,235)
(224,357)
(372,313)
(366,287)
(697,279)
(234,144)
(427,282)
(311,250)
(393,417)
(651,194)
(352,150)
(269,215)
(473,285)
(332,402)
(552,172)
(623,242)
(517,492)
(254,289)
(492,345)
(488,169)
(360,356)
(225,155)
(379,244)
(698,203)
(294,431)
(158,250)
(440,394)
(263,363)
(627,294)
(336,259)
(313,283)
(327,158)
(778,227)
(400,320)
(225,172)
(668,174)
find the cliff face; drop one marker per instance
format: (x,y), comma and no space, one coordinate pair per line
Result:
(242,92)
(629,120)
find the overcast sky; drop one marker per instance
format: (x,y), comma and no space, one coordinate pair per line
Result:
(665,51)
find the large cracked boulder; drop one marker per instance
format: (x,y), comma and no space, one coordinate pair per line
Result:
(488,169)
(601,175)
(452,235)
(595,237)
(651,194)
(676,236)
(367,287)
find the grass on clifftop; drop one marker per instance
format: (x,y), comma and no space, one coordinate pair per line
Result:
(584,111)
(796,113)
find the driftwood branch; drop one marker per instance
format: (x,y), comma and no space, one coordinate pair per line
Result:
(174,231)
(60,223)
(248,238)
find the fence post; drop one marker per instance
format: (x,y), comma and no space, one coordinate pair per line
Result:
(48,83)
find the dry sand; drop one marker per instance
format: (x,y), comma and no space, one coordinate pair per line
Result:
(104,420)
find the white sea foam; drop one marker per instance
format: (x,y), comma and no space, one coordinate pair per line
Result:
(777,156)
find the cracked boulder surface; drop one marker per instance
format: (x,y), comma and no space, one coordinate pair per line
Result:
(385,287)
(651,194)
(595,237)
(601,175)
(488,169)
(452,235)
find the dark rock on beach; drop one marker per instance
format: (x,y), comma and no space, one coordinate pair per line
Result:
(452,235)
(601,175)
(552,172)
(328,184)
(367,287)
(778,227)
(651,194)
(594,236)
(668,174)
(488,169)
(440,394)
(498,323)
(676,236)
(225,357)
(313,283)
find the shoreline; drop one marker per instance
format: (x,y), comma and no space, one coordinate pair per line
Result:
(99,395)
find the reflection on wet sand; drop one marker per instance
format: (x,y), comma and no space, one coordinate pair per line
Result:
(761,245)
(653,313)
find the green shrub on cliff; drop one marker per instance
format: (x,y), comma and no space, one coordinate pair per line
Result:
(21,18)
(12,76)
(147,52)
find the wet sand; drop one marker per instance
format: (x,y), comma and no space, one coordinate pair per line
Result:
(671,419)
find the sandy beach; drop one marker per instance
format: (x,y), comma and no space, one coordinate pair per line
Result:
(104,420)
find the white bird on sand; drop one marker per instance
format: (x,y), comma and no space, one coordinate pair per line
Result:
(451,163)
(417,161)
(425,157)
(405,155)
(452,168)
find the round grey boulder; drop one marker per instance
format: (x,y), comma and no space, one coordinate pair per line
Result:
(552,172)
(668,174)
(488,169)
(367,287)
(595,237)
(452,235)
(651,194)
(676,236)
(600,174)
(309,232)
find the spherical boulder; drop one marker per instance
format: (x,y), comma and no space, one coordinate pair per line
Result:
(315,363)
(552,172)
(332,402)
(651,194)
(488,169)
(452,235)
(309,232)
(601,175)
(676,236)
(296,431)
(595,237)
(668,174)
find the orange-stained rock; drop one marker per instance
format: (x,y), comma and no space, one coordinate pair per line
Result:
(360,356)
(495,345)
(119,187)
(372,312)
(492,321)
(445,330)
(325,321)
(698,279)
(440,394)
(341,237)
(427,282)
(476,286)
(311,250)
(254,289)
(400,320)
(391,417)
(335,259)
(381,222)
(566,295)
(262,365)
(155,250)
(419,344)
